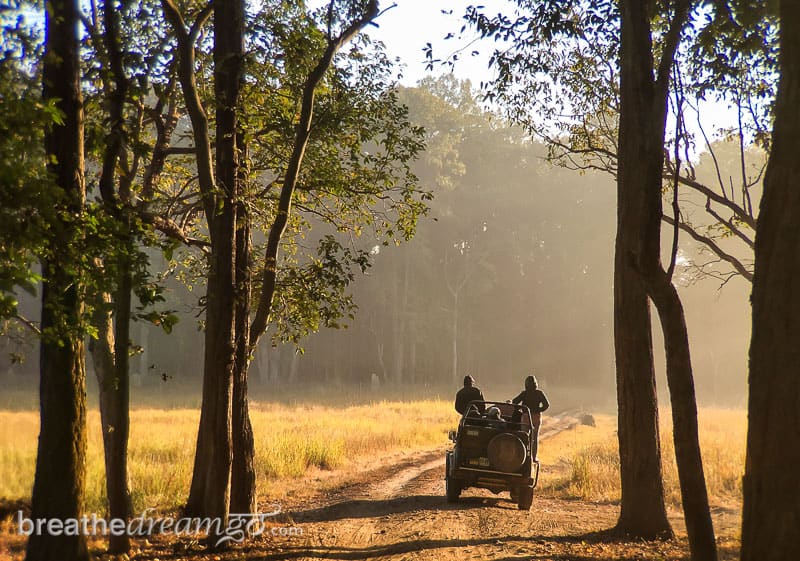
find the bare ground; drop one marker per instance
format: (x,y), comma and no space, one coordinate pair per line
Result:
(394,509)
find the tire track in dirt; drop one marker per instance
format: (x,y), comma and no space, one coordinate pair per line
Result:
(399,512)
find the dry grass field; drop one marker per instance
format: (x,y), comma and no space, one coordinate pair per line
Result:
(366,481)
(589,460)
(289,441)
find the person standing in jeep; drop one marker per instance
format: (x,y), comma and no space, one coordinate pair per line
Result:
(535,400)
(470,392)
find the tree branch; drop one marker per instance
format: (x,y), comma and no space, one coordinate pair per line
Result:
(740,213)
(194,106)
(671,41)
(170,229)
(27,323)
(730,225)
(713,246)
(303,132)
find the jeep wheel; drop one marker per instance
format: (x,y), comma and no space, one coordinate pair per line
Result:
(453,489)
(452,486)
(525,498)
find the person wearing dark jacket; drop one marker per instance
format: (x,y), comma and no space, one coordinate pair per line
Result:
(470,392)
(535,400)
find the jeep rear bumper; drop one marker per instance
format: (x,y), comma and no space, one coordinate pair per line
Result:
(488,479)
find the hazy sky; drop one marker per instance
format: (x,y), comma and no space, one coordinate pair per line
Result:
(406,27)
(410,24)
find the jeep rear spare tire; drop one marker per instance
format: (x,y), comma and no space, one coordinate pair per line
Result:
(506,452)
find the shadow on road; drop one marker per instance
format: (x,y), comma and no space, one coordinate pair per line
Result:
(344,553)
(369,508)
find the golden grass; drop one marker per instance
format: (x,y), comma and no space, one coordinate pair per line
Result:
(587,458)
(289,440)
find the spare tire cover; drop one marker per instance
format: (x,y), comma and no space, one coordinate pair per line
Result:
(506,452)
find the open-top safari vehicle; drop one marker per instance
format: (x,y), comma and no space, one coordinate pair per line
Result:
(492,450)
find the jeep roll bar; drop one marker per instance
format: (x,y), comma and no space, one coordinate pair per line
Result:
(516,408)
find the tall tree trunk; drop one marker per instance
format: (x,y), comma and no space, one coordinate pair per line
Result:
(243,477)
(209,494)
(243,471)
(771,517)
(643,512)
(643,111)
(58,488)
(211,480)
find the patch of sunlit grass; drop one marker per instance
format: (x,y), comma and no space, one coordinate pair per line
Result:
(723,435)
(582,463)
(585,461)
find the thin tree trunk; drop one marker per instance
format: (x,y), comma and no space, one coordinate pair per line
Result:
(400,363)
(412,361)
(771,511)
(115,399)
(58,488)
(113,414)
(380,348)
(680,379)
(454,342)
(113,363)
(293,368)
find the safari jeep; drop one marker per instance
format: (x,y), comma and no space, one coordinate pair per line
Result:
(492,450)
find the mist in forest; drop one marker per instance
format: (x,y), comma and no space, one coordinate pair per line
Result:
(509,274)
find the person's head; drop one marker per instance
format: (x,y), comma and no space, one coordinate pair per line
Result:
(469,381)
(493,413)
(531,383)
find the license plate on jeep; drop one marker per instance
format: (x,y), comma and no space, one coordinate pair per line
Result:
(482,462)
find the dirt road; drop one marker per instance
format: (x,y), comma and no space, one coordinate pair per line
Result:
(397,511)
